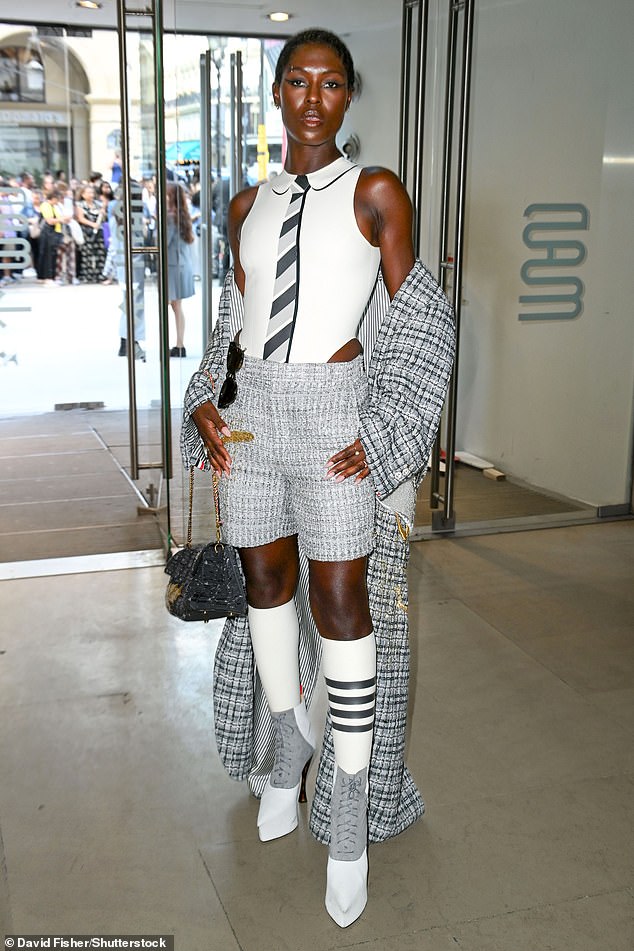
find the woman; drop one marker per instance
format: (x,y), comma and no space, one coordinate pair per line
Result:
(67,252)
(105,193)
(149,223)
(105,196)
(89,214)
(34,220)
(51,235)
(333,461)
(180,272)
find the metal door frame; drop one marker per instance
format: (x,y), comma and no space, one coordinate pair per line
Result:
(206,230)
(236,144)
(154,11)
(236,149)
(454,177)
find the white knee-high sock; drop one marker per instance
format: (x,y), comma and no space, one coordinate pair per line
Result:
(275,640)
(350,672)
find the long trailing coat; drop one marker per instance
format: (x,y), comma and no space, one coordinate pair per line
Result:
(409,349)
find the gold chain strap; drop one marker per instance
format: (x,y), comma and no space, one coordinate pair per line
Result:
(191,506)
(215,480)
(403,530)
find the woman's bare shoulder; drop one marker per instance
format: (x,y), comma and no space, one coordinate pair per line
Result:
(241,204)
(380,187)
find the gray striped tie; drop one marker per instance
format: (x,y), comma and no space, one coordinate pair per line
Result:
(284,308)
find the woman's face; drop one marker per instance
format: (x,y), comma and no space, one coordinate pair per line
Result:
(89,193)
(313,94)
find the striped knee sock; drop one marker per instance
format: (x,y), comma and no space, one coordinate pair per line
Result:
(350,672)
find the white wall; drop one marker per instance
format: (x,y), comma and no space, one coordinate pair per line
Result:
(374,117)
(552,121)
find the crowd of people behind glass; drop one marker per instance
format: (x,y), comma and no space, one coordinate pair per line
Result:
(66,231)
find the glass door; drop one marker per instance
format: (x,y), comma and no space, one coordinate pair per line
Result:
(83,457)
(140,224)
(222,133)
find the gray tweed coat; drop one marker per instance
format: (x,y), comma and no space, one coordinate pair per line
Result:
(409,349)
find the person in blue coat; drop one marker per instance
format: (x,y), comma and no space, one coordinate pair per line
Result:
(180,237)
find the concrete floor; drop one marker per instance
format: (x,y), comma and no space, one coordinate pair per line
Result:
(116,816)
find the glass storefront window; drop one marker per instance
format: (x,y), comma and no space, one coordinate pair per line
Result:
(36,148)
(21,74)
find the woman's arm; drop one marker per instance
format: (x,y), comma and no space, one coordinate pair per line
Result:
(81,217)
(67,212)
(206,417)
(47,212)
(239,207)
(384,214)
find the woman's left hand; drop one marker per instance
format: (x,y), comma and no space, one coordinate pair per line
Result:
(349,462)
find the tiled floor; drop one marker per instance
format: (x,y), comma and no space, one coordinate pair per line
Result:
(63,492)
(117,817)
(479,499)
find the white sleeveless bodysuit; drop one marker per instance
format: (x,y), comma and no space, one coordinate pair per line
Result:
(337,266)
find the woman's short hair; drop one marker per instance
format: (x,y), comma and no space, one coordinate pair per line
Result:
(315,35)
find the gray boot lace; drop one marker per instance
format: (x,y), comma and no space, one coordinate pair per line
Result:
(349,816)
(292,751)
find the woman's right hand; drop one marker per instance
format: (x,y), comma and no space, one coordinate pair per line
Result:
(211,425)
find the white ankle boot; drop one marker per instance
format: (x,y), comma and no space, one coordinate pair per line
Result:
(347,872)
(294,748)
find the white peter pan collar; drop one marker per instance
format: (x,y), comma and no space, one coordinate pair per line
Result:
(318,180)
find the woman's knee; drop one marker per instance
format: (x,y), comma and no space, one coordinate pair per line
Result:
(270,573)
(339,599)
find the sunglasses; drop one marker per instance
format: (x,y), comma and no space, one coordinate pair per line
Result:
(229,389)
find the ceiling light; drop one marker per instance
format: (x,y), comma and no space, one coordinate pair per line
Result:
(89,4)
(279,17)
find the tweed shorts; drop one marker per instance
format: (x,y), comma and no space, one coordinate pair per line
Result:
(300,415)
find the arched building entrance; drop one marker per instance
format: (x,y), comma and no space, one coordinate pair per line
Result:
(44,105)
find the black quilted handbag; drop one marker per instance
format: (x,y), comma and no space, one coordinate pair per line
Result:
(205,580)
